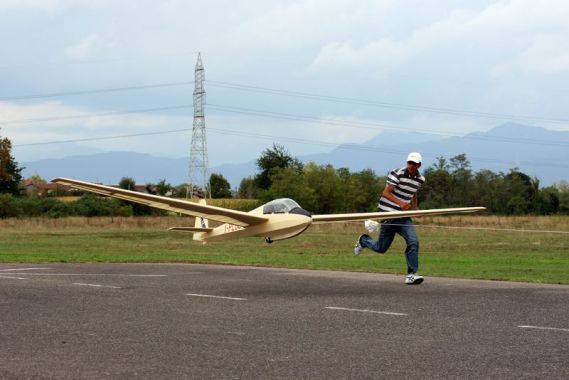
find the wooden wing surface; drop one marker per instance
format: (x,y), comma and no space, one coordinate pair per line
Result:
(382,215)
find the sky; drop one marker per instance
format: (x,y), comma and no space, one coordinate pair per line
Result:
(500,57)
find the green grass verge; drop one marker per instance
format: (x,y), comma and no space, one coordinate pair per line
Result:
(541,257)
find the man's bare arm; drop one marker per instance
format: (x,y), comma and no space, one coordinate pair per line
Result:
(414,202)
(388,193)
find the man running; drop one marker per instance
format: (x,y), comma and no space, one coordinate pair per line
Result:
(400,194)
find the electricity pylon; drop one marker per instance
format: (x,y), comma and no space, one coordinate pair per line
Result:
(198,170)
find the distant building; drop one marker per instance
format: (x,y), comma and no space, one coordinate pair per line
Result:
(148,189)
(41,189)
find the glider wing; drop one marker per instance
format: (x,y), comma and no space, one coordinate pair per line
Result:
(391,214)
(181,206)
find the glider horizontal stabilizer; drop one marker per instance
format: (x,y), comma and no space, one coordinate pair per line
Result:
(190,229)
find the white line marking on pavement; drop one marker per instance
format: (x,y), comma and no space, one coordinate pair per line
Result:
(210,296)
(544,328)
(97,285)
(94,274)
(20,269)
(364,310)
(12,277)
(148,275)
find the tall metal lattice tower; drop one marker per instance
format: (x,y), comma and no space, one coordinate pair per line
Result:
(198,152)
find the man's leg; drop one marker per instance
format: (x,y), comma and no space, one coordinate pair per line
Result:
(382,244)
(412,251)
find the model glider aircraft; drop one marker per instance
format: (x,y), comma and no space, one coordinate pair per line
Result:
(277,220)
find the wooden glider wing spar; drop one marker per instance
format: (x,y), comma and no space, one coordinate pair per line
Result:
(279,219)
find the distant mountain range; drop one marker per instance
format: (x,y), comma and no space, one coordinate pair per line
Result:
(537,151)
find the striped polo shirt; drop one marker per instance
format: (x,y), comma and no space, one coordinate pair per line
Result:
(404,187)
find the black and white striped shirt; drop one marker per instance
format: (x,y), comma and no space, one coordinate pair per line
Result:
(404,187)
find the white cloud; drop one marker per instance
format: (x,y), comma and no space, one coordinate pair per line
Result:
(296,25)
(66,126)
(379,57)
(47,5)
(90,46)
(426,54)
(494,31)
(546,54)
(30,4)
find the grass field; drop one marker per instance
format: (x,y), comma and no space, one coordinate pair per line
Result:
(499,255)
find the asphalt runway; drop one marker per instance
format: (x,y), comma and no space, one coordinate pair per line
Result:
(205,321)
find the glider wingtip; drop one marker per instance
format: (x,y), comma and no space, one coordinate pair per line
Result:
(59,179)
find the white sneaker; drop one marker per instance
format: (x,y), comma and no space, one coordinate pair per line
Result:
(413,279)
(358,248)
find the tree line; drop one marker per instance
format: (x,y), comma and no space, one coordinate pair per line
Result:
(449,183)
(34,202)
(318,188)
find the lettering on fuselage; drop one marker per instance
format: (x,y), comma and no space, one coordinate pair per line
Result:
(232,228)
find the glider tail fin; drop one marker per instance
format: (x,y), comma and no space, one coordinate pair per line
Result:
(200,222)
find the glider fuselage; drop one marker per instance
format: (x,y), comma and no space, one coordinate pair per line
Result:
(278,227)
(286,219)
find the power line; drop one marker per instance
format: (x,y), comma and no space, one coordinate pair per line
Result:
(286,116)
(95,115)
(95,91)
(232,132)
(104,137)
(376,126)
(298,94)
(254,112)
(375,103)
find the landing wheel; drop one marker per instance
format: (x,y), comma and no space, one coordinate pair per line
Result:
(268,240)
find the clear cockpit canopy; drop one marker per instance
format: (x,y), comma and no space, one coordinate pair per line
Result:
(280,206)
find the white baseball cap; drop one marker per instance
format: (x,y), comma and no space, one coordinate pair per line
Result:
(414,157)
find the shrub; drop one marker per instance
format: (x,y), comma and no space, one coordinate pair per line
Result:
(34,206)
(9,206)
